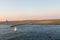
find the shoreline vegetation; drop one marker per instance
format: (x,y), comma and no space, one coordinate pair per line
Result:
(32,22)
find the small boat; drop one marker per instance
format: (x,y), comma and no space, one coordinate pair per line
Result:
(11,26)
(15,29)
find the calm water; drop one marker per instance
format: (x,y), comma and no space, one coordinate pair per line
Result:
(30,32)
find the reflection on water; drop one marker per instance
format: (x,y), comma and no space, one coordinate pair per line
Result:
(30,32)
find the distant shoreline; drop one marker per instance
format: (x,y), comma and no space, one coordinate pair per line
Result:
(32,22)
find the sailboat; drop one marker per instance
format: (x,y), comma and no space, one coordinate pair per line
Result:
(15,29)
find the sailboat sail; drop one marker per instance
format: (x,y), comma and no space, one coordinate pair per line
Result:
(15,29)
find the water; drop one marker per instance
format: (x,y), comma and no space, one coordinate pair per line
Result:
(30,32)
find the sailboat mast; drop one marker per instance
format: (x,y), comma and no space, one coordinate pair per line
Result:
(6,21)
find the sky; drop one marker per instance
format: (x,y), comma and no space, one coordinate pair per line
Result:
(29,9)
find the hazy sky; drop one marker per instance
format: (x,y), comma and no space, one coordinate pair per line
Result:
(29,9)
